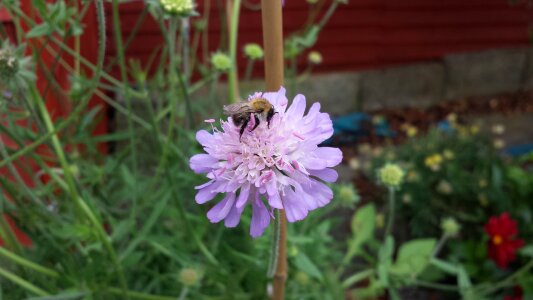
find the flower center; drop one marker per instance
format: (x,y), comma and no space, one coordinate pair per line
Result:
(497,240)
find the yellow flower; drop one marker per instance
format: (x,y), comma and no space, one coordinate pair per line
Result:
(433,161)
(444,187)
(498,143)
(448,154)
(483,200)
(474,129)
(410,130)
(483,183)
(364,148)
(406,198)
(452,118)
(354,163)
(498,129)
(412,176)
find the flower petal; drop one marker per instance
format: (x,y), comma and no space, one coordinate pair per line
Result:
(332,156)
(243,195)
(203,163)
(260,218)
(204,138)
(297,109)
(233,217)
(328,175)
(207,193)
(222,209)
(295,208)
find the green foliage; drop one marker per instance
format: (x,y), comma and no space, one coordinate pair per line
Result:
(413,257)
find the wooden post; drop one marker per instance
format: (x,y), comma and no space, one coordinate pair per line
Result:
(273,45)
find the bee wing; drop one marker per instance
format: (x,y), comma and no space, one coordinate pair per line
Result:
(237,108)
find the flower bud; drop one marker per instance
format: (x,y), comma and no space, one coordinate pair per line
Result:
(314,57)
(391,175)
(9,64)
(498,129)
(253,51)
(450,227)
(221,61)
(444,187)
(189,276)
(180,7)
(348,195)
(302,278)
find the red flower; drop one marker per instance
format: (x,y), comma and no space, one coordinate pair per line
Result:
(502,244)
(518,294)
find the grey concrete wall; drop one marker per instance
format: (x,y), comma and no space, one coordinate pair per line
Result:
(424,84)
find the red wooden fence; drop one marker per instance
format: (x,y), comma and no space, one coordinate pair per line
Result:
(371,33)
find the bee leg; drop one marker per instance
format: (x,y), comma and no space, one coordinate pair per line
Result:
(256,122)
(243,127)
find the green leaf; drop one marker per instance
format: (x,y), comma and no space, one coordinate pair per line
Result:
(413,257)
(363,226)
(305,264)
(39,30)
(385,259)
(69,295)
(527,251)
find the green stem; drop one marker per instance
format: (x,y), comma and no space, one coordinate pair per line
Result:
(509,281)
(7,233)
(233,94)
(26,263)
(138,295)
(328,14)
(436,286)
(249,69)
(440,244)
(274,251)
(16,11)
(348,282)
(23,283)
(390,221)
(117,31)
(71,185)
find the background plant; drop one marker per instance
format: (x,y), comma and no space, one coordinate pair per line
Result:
(121,223)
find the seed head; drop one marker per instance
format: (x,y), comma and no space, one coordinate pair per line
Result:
(253,51)
(391,175)
(181,7)
(221,62)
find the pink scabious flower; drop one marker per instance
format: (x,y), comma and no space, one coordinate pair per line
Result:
(281,167)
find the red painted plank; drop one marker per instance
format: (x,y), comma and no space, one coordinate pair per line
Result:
(4,15)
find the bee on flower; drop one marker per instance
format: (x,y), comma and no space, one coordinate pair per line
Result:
(268,165)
